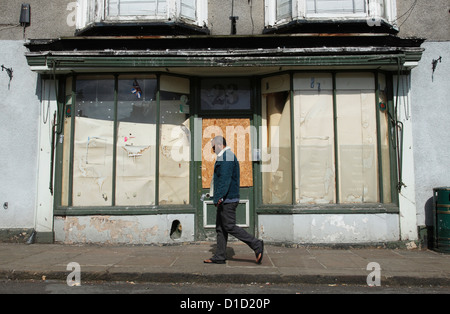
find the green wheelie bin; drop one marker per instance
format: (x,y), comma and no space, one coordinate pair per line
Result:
(441,198)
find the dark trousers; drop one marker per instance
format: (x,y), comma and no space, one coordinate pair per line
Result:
(225,225)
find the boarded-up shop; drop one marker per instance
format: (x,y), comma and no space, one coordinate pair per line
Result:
(313,119)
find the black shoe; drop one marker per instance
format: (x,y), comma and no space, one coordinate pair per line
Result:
(213,261)
(260,253)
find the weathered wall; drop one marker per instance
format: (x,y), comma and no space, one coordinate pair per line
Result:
(250,13)
(429,96)
(19,114)
(53,19)
(430,113)
(123,229)
(49,19)
(424,19)
(357,228)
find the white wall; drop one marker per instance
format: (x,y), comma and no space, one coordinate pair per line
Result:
(328,229)
(431,126)
(19,118)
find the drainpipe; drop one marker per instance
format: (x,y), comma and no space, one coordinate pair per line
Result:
(399,132)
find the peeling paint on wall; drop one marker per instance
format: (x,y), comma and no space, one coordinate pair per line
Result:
(323,228)
(122,230)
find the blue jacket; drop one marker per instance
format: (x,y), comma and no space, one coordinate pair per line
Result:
(226,177)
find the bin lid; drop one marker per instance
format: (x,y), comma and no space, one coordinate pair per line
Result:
(442,188)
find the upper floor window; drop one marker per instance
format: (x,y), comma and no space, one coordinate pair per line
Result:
(132,8)
(336,6)
(193,12)
(283,11)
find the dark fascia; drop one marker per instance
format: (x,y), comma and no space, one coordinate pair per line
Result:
(332,26)
(195,42)
(141,29)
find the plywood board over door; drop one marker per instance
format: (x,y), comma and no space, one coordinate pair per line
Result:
(237,134)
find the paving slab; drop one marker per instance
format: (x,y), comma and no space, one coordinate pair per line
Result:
(184,263)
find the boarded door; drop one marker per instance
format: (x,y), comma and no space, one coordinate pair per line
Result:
(238,136)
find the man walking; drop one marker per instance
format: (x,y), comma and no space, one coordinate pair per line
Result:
(226,198)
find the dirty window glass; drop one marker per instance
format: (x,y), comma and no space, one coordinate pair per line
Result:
(276,141)
(284,9)
(95,98)
(314,138)
(336,6)
(137,7)
(189,9)
(225,94)
(93,142)
(357,138)
(175,141)
(136,141)
(384,139)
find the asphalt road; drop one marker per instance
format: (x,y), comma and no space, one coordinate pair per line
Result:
(58,287)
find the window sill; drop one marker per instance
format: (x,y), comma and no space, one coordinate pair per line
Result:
(142,28)
(344,24)
(372,208)
(124,210)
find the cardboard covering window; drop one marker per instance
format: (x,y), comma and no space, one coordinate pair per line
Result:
(384,140)
(93,142)
(314,139)
(136,141)
(357,138)
(175,141)
(276,141)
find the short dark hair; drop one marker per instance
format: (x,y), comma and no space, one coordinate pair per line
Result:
(219,139)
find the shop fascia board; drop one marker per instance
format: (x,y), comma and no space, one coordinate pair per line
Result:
(375,57)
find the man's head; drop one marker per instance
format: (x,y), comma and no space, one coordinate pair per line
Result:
(218,143)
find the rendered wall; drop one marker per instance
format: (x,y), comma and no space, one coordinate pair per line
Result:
(19,116)
(430,112)
(123,229)
(329,229)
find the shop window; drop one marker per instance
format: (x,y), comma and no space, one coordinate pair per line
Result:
(385,163)
(340,130)
(357,138)
(93,142)
(175,141)
(276,141)
(136,140)
(115,142)
(314,138)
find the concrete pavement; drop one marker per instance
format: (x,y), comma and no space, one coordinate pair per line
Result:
(184,263)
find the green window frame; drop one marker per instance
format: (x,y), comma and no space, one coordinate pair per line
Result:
(383,173)
(143,123)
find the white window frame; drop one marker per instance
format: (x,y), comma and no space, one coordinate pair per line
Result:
(157,16)
(337,15)
(96,11)
(375,12)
